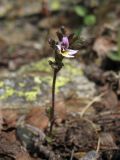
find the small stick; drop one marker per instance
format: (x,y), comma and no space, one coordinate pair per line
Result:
(72,153)
(98,145)
(96,99)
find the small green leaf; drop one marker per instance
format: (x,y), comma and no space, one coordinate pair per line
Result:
(80,11)
(90,20)
(115,56)
(77,31)
(48,139)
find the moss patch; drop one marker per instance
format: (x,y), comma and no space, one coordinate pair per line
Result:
(28,95)
(39,66)
(31,95)
(30,91)
(8,93)
(73,68)
(1,83)
(21,84)
(61,81)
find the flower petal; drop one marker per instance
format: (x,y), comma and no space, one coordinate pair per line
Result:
(66,54)
(58,47)
(71,51)
(65,42)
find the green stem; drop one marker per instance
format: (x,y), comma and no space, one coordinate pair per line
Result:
(52,110)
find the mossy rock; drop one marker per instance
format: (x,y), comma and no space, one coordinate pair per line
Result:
(33,83)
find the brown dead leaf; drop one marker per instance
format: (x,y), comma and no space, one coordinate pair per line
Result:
(1,121)
(103,45)
(60,111)
(110,100)
(38,118)
(10,148)
(107,141)
(10,117)
(23,156)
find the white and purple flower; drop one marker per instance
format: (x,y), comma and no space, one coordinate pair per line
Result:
(63,48)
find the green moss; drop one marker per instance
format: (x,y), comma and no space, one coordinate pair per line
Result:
(31,95)
(21,84)
(8,93)
(20,93)
(72,68)
(40,66)
(37,80)
(1,83)
(2,97)
(61,81)
(47,79)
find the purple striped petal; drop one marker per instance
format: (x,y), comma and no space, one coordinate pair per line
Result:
(65,42)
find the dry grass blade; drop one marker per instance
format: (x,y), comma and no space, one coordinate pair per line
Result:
(96,99)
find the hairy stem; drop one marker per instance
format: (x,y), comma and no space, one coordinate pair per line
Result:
(52,110)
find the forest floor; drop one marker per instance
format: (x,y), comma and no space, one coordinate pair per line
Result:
(87,107)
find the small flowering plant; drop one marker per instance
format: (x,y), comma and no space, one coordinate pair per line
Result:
(62,49)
